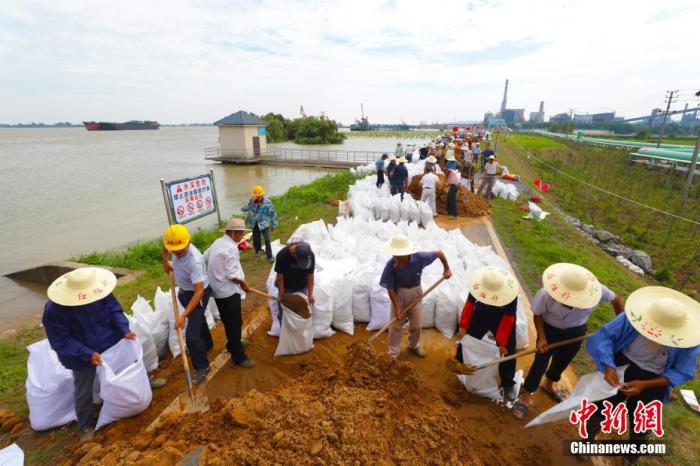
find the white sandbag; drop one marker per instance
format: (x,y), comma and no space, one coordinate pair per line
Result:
(521,327)
(272,305)
(395,209)
(403,207)
(296,334)
(342,306)
(163,302)
(446,311)
(591,386)
(413,214)
(155,321)
(385,209)
(484,382)
(214,309)
(124,386)
(425,214)
(361,288)
(49,388)
(380,308)
(12,456)
(428,316)
(322,312)
(148,346)
(207,316)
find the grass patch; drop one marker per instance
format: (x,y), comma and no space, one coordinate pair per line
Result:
(13,370)
(673,244)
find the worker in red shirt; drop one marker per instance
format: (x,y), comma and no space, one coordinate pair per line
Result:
(491,306)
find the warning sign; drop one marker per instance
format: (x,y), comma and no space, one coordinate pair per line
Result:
(191,198)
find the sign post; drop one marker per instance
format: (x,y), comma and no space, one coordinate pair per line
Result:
(188,199)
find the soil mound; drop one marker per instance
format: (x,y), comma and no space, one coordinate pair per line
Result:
(468,203)
(372,410)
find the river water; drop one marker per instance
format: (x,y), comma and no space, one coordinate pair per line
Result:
(69,191)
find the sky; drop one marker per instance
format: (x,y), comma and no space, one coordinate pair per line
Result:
(439,60)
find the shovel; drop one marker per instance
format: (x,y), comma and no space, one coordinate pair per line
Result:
(468,369)
(193,403)
(292,301)
(413,303)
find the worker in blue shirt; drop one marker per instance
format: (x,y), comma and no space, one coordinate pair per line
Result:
(658,338)
(82,320)
(398,179)
(379,164)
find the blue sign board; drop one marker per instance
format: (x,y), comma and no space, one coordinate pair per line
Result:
(261,131)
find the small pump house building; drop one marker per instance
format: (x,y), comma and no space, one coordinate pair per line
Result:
(242,136)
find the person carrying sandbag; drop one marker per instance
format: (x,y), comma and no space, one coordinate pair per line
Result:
(191,276)
(658,338)
(228,287)
(83,319)
(491,307)
(569,294)
(402,279)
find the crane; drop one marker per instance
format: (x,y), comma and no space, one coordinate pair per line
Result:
(302,112)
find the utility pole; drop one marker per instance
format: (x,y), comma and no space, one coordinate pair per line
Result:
(669,100)
(691,168)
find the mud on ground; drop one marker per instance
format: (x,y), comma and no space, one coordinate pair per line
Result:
(468,203)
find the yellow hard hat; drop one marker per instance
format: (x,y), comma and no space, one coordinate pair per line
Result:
(258,191)
(176,238)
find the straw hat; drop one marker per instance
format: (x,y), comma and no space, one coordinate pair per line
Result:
(495,286)
(572,285)
(82,286)
(664,316)
(450,156)
(400,245)
(235,224)
(402,159)
(392,157)
(431,159)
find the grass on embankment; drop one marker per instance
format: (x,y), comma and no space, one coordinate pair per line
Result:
(299,205)
(673,244)
(535,245)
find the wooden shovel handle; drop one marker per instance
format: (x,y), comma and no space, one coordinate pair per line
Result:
(262,293)
(410,306)
(557,344)
(180,339)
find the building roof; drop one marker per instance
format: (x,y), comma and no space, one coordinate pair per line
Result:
(241,118)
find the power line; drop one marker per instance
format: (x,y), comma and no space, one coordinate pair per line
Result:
(670,214)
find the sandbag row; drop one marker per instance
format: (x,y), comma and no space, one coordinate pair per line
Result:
(372,203)
(349,263)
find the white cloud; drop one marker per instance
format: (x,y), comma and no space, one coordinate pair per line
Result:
(188,61)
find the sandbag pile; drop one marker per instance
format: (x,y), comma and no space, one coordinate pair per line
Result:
(505,190)
(371,203)
(468,203)
(349,264)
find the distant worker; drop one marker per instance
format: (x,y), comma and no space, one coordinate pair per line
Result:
(399,178)
(423,153)
(389,167)
(82,320)
(454,178)
(489,178)
(402,279)
(428,184)
(657,338)
(488,152)
(468,174)
(409,152)
(228,287)
(569,294)
(430,163)
(379,164)
(398,152)
(451,161)
(191,276)
(476,151)
(491,307)
(295,266)
(262,219)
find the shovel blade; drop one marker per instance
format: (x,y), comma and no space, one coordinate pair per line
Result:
(297,304)
(459,368)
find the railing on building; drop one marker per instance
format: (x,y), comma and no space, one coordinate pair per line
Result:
(284,154)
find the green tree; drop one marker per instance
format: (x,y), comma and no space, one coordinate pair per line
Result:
(642,133)
(313,130)
(276,129)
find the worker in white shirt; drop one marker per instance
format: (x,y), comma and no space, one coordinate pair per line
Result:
(489,178)
(228,287)
(428,183)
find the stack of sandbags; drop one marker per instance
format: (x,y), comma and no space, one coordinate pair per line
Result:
(371,203)
(505,190)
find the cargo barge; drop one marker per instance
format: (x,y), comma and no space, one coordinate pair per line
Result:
(129,125)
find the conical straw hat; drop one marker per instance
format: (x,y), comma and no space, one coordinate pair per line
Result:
(82,286)
(572,285)
(665,316)
(495,286)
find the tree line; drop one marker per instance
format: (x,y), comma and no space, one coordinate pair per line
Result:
(307,130)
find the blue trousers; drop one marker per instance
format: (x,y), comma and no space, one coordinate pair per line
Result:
(197,337)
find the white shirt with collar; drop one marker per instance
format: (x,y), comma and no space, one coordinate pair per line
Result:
(223,264)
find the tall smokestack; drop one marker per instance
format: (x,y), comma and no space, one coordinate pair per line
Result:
(505,98)
(542,107)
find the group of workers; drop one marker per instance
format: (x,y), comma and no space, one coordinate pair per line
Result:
(656,334)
